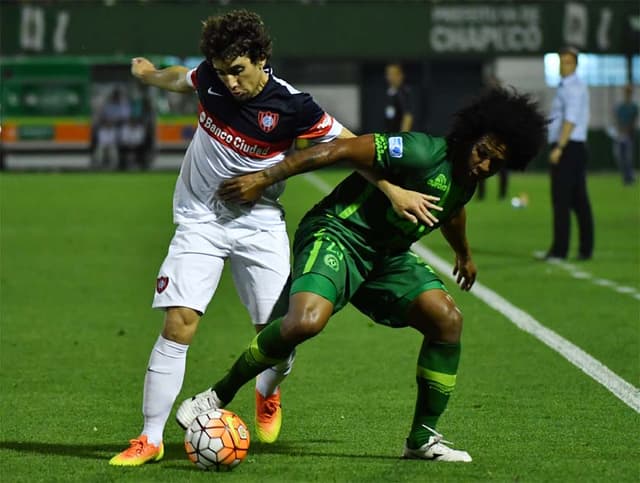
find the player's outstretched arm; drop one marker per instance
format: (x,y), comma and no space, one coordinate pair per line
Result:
(358,151)
(172,78)
(454,231)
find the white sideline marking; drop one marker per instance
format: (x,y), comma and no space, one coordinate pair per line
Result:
(602,282)
(624,391)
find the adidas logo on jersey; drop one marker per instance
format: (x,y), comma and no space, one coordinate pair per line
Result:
(440,182)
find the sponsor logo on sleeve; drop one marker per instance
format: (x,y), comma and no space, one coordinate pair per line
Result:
(395,147)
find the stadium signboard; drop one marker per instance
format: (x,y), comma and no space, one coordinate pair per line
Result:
(398,28)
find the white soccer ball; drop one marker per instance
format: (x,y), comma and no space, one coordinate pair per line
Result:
(217,440)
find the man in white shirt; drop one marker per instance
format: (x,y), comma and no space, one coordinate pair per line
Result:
(569,121)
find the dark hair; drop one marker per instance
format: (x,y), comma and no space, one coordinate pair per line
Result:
(235,34)
(512,117)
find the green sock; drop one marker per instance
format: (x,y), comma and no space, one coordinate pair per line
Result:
(266,349)
(436,378)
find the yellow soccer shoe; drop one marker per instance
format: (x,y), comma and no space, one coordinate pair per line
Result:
(268,417)
(139,453)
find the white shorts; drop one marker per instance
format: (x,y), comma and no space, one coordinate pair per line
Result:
(190,273)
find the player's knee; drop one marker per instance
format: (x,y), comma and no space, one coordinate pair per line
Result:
(303,323)
(448,324)
(180,324)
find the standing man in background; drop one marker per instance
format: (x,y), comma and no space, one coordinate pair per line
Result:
(397,112)
(626,116)
(568,161)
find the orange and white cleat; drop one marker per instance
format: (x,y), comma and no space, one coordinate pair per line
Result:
(139,453)
(268,417)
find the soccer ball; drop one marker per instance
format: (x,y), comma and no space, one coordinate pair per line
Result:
(218,440)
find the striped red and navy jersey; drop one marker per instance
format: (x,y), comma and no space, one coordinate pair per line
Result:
(236,137)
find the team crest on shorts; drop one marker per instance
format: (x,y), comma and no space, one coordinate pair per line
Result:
(161,284)
(268,120)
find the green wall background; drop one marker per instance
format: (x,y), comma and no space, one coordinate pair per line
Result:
(332,29)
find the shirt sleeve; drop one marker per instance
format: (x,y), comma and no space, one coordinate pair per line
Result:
(408,150)
(574,100)
(192,77)
(314,123)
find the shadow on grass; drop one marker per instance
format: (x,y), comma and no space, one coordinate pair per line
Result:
(175,451)
(312,448)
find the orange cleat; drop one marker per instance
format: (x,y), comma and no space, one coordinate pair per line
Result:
(268,417)
(139,453)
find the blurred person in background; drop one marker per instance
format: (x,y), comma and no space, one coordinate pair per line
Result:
(568,162)
(112,116)
(398,112)
(144,113)
(133,148)
(106,153)
(353,247)
(248,119)
(491,82)
(626,118)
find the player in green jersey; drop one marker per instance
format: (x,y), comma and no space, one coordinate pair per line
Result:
(354,247)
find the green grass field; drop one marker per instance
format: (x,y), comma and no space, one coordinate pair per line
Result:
(79,257)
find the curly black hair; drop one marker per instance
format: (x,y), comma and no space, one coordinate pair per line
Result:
(513,118)
(234,34)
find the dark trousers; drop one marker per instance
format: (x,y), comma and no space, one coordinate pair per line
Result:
(503,175)
(569,193)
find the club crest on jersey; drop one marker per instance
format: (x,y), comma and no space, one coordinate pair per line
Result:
(267,120)
(161,284)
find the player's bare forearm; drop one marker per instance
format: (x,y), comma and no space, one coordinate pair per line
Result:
(172,78)
(358,151)
(464,269)
(248,188)
(455,232)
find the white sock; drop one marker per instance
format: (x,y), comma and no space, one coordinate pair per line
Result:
(162,383)
(268,380)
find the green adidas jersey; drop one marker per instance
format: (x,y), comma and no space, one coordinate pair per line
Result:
(412,160)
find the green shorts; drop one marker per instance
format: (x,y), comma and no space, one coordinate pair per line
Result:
(332,262)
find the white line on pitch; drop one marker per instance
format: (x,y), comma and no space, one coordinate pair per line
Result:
(602,282)
(624,391)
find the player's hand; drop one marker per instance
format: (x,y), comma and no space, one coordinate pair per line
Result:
(414,206)
(244,189)
(141,66)
(465,272)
